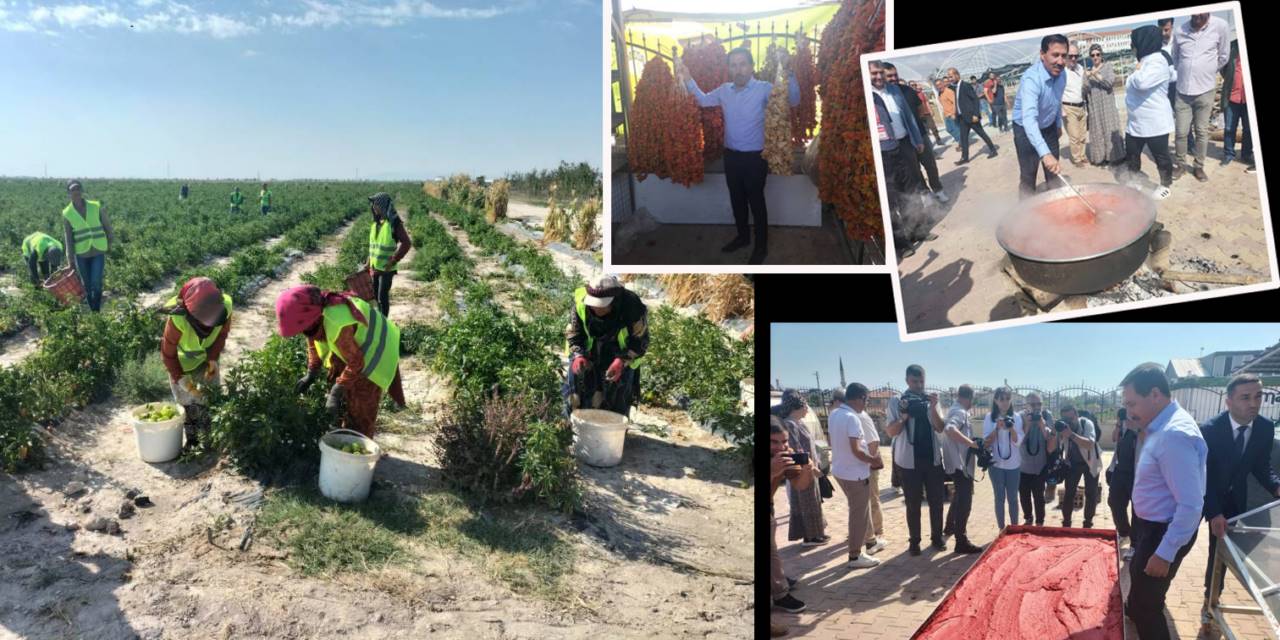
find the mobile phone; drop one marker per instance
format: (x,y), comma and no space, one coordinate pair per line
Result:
(800,458)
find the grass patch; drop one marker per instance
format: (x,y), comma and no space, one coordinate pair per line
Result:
(143,381)
(518,547)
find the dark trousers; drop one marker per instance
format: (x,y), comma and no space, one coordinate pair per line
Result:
(967,125)
(1118,498)
(961,503)
(901,173)
(1031,494)
(382,290)
(923,481)
(1236,113)
(40,269)
(1029,159)
(930,164)
(1090,494)
(1146,594)
(1159,146)
(1213,549)
(591,391)
(1000,113)
(745,172)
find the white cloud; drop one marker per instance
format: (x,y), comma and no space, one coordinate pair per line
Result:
(250,53)
(40,14)
(83,15)
(148,3)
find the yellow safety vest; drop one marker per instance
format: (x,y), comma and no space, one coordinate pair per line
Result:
(379,340)
(580,300)
(382,245)
(39,243)
(86,231)
(192,351)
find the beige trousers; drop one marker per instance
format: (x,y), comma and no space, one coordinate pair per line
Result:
(856,492)
(1076,121)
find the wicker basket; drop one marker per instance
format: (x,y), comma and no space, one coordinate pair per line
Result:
(361,284)
(65,285)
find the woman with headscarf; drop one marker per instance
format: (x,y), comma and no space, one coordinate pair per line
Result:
(1106,144)
(389,241)
(199,319)
(366,345)
(807,523)
(1147,102)
(88,236)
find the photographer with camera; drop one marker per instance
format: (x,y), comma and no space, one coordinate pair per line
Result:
(1080,440)
(1035,450)
(851,466)
(958,453)
(783,466)
(914,425)
(1002,431)
(1120,476)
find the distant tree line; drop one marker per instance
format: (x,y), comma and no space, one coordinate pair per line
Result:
(580,178)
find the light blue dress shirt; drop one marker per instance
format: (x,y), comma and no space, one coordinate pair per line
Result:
(1169,483)
(743,109)
(1038,104)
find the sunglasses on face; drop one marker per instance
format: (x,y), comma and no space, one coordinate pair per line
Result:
(1073,57)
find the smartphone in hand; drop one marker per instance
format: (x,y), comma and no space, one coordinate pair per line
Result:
(800,458)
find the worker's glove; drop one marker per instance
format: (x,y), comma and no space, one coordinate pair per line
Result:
(333,401)
(305,381)
(210,370)
(580,364)
(614,373)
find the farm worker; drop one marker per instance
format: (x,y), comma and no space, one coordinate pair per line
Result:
(608,335)
(88,234)
(237,199)
(264,198)
(40,249)
(366,343)
(182,193)
(199,319)
(388,243)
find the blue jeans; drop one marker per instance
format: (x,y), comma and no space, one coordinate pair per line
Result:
(1236,114)
(90,270)
(1005,482)
(984,108)
(953,129)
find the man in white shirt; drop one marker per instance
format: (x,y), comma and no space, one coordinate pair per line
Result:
(1201,47)
(958,461)
(916,428)
(1074,115)
(858,402)
(851,467)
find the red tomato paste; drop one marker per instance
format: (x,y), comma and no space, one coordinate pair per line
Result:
(1035,586)
(1066,229)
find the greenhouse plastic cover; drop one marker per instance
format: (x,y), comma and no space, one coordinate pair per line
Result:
(712,10)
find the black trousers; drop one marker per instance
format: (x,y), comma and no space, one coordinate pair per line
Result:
(1031,494)
(1159,146)
(1119,496)
(965,127)
(961,504)
(1090,494)
(382,290)
(930,165)
(746,172)
(40,269)
(1213,550)
(916,485)
(1146,594)
(1029,159)
(1002,120)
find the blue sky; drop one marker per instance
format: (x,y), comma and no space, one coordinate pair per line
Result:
(298,88)
(1046,355)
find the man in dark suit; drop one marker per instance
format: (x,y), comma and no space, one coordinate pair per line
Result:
(1239,442)
(968,115)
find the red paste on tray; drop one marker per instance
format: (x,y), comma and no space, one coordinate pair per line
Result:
(1066,228)
(1035,587)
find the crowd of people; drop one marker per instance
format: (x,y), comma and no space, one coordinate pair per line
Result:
(1169,98)
(1167,474)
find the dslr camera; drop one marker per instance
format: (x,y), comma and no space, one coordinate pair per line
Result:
(916,402)
(983,454)
(1061,426)
(1008,422)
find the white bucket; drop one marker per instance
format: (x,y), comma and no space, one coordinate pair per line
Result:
(598,436)
(346,477)
(158,441)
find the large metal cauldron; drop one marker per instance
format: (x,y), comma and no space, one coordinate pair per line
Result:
(1091,273)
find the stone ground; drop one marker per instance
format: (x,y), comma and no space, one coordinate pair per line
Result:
(956,279)
(892,600)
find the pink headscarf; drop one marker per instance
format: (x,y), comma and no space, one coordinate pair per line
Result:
(202,300)
(299,308)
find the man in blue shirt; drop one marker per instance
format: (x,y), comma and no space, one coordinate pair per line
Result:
(745,168)
(1037,114)
(1168,494)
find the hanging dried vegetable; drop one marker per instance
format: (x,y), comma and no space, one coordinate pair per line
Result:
(804,117)
(708,65)
(777,130)
(847,177)
(769,70)
(684,139)
(666,128)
